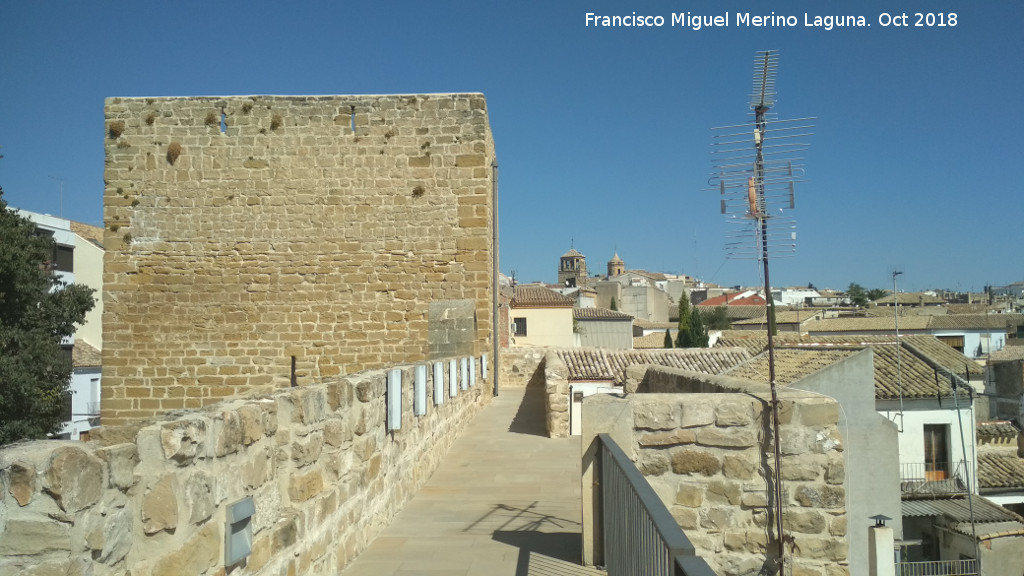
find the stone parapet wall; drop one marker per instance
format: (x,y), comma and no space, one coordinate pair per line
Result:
(324,473)
(556,391)
(706,455)
(256,241)
(521,367)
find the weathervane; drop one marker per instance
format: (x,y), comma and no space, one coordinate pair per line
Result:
(756,167)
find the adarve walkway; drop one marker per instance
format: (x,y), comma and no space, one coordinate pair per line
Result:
(505,501)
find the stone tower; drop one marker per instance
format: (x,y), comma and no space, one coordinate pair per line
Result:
(260,242)
(572,269)
(616,266)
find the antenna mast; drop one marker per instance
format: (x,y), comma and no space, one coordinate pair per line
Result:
(755,190)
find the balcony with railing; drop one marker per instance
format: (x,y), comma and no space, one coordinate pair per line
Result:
(934,478)
(967,567)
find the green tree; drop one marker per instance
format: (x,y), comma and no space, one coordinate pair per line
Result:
(698,333)
(877,294)
(716,319)
(857,295)
(683,336)
(668,338)
(37,311)
(615,305)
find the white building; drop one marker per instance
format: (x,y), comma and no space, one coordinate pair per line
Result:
(78,258)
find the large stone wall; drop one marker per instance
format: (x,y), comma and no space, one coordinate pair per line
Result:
(255,242)
(521,367)
(708,456)
(325,476)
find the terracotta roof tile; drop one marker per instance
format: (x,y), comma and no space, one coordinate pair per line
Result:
(999,429)
(655,340)
(84,355)
(1001,469)
(599,314)
(602,364)
(791,364)
(532,296)
(920,358)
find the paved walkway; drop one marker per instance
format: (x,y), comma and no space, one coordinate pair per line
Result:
(505,501)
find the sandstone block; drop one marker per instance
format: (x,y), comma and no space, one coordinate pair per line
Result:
(689,495)
(835,471)
(815,548)
(652,463)
(695,461)
(722,492)
(655,414)
(29,535)
(729,438)
(814,496)
(667,438)
(121,460)
(200,553)
(74,478)
(160,505)
(733,413)
(199,490)
(286,532)
(250,419)
(229,433)
(837,526)
(740,467)
(307,450)
(22,479)
(804,521)
(818,412)
(687,518)
(758,499)
(719,518)
(302,487)
(183,440)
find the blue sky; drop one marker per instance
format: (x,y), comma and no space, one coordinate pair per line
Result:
(603,134)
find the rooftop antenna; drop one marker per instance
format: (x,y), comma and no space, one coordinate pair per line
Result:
(757,186)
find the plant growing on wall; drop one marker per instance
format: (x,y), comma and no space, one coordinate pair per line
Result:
(173,151)
(37,311)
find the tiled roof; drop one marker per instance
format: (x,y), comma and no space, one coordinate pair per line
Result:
(781,317)
(599,314)
(656,276)
(532,296)
(83,355)
(919,358)
(1009,353)
(959,509)
(648,325)
(876,324)
(975,308)
(1000,469)
(998,429)
(912,299)
(734,300)
(651,341)
(572,253)
(791,364)
(975,321)
(603,364)
(91,233)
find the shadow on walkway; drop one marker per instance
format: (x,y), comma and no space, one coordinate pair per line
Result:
(530,418)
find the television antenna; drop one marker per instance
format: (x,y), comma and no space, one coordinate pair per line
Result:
(757,186)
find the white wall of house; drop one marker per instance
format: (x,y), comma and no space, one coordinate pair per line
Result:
(85,402)
(985,341)
(88,259)
(605,334)
(544,327)
(918,413)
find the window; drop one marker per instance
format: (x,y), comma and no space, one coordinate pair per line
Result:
(936,451)
(954,342)
(519,326)
(64,258)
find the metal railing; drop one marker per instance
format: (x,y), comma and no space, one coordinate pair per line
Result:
(640,536)
(935,477)
(938,568)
